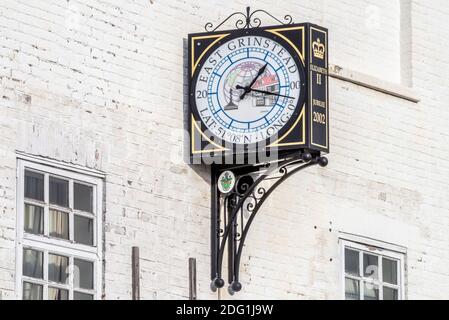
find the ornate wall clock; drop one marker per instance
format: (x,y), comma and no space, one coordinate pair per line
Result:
(258,110)
(255,90)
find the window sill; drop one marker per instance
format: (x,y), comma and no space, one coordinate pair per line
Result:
(370,82)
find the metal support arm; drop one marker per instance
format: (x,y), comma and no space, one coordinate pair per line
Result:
(233,213)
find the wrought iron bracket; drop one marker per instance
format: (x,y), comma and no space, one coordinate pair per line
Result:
(234,212)
(247,20)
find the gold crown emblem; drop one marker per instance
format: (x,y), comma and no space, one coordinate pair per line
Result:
(318,49)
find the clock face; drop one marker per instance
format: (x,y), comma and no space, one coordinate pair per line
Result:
(240,116)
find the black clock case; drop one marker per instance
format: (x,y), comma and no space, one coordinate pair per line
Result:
(313,137)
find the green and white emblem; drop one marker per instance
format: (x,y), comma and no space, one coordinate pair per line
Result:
(226,182)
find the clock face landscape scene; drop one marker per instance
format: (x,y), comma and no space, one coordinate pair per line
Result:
(248,89)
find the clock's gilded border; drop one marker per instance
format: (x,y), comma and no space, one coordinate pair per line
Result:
(196,128)
(195,63)
(299,52)
(301,118)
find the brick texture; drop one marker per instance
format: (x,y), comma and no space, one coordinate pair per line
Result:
(99,84)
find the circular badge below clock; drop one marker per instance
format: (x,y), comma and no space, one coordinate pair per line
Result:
(226,182)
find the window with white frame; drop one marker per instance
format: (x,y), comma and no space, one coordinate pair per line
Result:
(372,273)
(59,232)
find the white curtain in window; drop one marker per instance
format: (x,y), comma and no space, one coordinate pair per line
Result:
(352,289)
(32,291)
(58,268)
(57,294)
(34,219)
(59,224)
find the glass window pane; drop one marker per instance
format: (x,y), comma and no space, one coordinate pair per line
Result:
(370,266)
(57,294)
(31,291)
(59,192)
(352,262)
(390,294)
(371,292)
(352,289)
(58,268)
(84,230)
(34,185)
(34,219)
(59,224)
(33,263)
(82,296)
(390,271)
(83,274)
(83,197)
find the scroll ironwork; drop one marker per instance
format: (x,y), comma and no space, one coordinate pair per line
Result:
(248,19)
(249,194)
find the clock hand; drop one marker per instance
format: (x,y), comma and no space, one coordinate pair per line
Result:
(266,92)
(248,88)
(261,71)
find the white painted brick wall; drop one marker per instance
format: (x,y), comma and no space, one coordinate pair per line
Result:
(99,84)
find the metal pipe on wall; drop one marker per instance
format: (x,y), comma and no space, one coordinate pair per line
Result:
(135,273)
(192,279)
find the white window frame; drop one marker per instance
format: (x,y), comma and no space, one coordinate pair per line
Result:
(378,248)
(62,247)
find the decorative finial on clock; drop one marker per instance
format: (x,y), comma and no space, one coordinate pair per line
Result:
(248,20)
